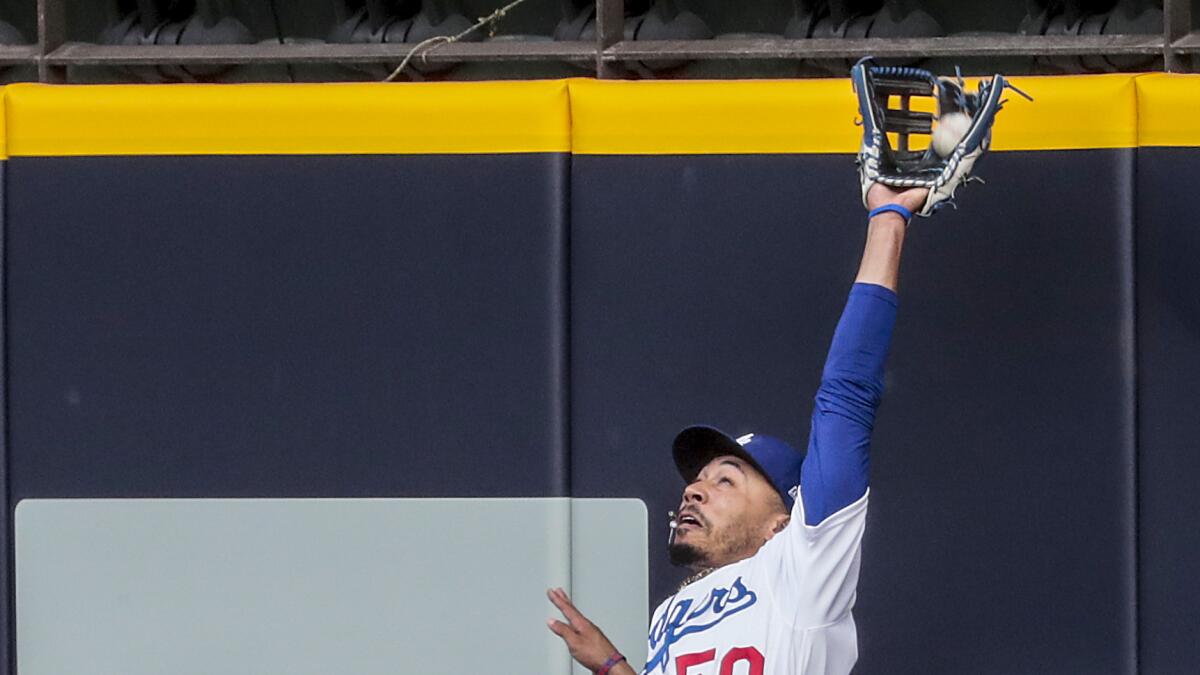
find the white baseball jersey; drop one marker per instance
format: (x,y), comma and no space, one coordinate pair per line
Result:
(784,611)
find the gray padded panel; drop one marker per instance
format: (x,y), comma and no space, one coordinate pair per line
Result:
(609,570)
(319,586)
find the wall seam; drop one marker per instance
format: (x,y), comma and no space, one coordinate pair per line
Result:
(8,621)
(564,352)
(1131,369)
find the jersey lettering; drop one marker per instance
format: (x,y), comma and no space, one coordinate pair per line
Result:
(682,619)
(748,655)
(738,654)
(686,661)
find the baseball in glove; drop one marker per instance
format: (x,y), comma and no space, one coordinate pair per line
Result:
(965,119)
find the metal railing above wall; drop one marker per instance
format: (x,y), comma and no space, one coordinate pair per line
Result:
(608,55)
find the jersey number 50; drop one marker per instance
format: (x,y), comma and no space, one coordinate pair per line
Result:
(732,657)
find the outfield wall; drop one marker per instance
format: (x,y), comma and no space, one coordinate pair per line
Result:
(521,290)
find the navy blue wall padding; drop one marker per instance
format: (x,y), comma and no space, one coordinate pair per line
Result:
(7,599)
(287,326)
(1001,538)
(398,326)
(1169,410)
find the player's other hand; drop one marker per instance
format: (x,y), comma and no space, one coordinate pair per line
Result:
(587,643)
(912,199)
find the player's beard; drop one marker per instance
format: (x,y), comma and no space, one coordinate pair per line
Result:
(727,544)
(686,555)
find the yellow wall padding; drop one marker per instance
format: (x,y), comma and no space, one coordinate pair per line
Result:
(3,128)
(580,115)
(1169,110)
(1069,112)
(817,116)
(689,117)
(195,119)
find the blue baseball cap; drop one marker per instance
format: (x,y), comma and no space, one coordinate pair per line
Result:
(694,447)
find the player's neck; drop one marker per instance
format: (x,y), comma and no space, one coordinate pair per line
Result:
(710,566)
(697,575)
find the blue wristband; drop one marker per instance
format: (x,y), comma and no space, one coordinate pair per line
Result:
(894,208)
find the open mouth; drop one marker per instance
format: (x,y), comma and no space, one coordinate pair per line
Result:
(689,520)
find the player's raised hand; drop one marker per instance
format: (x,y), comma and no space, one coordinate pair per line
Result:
(587,643)
(911,198)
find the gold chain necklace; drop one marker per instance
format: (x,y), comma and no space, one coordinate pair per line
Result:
(697,576)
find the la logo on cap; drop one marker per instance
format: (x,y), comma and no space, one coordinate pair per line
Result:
(745,439)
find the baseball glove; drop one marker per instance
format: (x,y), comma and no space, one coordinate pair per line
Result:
(942,173)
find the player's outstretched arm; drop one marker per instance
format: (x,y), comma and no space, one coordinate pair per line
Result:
(885,235)
(586,642)
(834,474)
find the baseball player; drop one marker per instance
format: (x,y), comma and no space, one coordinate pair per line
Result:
(773,536)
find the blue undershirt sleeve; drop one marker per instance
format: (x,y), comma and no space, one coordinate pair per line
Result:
(834,473)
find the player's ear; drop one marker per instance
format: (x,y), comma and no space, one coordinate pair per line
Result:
(781,521)
(778,521)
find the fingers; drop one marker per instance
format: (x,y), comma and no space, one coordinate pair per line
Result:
(911,199)
(560,629)
(917,195)
(587,642)
(560,600)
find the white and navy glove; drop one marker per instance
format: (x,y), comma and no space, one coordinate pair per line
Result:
(962,135)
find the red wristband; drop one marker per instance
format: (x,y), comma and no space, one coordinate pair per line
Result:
(610,663)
